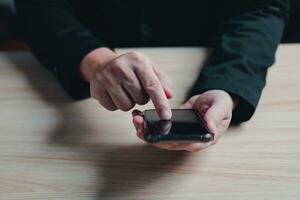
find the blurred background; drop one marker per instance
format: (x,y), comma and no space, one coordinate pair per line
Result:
(10,38)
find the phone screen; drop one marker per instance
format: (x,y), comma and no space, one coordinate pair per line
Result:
(185,125)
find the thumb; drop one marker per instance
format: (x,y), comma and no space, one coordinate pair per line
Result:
(138,121)
(215,115)
(189,104)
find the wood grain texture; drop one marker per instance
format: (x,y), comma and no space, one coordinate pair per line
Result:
(54,148)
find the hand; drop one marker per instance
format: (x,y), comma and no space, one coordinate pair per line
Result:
(129,79)
(215,105)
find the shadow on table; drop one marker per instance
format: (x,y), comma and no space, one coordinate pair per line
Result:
(135,171)
(124,170)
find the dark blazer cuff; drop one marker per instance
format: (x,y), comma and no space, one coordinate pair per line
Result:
(69,74)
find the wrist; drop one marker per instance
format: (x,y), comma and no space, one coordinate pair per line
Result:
(95,60)
(235,100)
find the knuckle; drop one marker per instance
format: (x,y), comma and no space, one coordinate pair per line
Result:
(117,62)
(160,107)
(117,67)
(123,73)
(152,86)
(137,56)
(104,77)
(108,82)
(98,77)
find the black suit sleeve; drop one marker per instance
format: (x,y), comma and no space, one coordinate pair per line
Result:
(244,50)
(58,40)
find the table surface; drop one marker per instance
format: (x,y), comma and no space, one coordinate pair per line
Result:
(54,148)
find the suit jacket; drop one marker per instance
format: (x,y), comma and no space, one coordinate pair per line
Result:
(244,36)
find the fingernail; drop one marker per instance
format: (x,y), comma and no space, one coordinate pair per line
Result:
(136,112)
(168,93)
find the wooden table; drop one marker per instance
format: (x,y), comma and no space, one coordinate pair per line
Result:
(54,148)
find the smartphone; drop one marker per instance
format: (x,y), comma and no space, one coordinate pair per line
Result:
(186,125)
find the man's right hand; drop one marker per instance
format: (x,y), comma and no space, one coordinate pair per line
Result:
(120,82)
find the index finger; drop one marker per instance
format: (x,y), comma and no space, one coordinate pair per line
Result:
(153,87)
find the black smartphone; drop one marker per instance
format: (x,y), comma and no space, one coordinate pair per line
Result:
(186,125)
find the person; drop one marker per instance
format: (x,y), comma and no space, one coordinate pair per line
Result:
(76,39)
